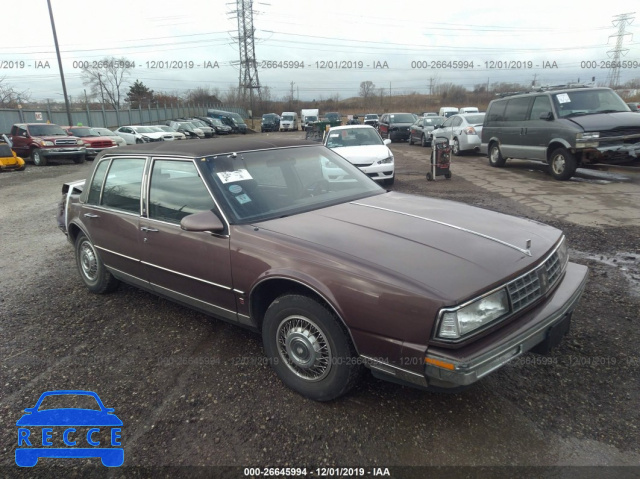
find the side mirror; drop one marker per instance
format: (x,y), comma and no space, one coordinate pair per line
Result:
(546,116)
(387,141)
(203,221)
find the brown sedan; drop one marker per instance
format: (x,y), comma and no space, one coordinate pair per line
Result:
(335,273)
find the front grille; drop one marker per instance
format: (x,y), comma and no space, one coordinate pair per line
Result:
(66,141)
(532,285)
(616,132)
(101,144)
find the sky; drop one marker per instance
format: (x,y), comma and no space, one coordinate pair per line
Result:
(330,46)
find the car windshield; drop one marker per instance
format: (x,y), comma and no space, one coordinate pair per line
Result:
(163,128)
(69,401)
(311,118)
(402,118)
(433,121)
(198,123)
(268,184)
(216,122)
(287,117)
(475,119)
(186,126)
(332,116)
(587,102)
(103,132)
(46,130)
(371,117)
(353,137)
(236,118)
(145,129)
(83,132)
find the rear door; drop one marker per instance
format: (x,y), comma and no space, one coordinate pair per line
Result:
(514,141)
(191,267)
(20,140)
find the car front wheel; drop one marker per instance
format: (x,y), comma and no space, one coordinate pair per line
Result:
(562,164)
(38,158)
(92,271)
(495,156)
(423,140)
(410,139)
(308,348)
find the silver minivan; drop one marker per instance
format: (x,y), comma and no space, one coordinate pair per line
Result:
(564,127)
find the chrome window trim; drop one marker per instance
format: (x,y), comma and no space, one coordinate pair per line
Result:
(116,253)
(504,317)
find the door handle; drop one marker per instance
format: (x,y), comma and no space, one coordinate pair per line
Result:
(91,215)
(148,230)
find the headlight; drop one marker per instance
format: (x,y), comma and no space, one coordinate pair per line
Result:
(47,143)
(456,323)
(588,135)
(79,142)
(145,138)
(588,139)
(386,160)
(563,253)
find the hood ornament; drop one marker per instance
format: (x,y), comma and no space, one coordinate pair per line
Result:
(528,246)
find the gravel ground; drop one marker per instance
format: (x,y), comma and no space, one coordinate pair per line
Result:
(196,391)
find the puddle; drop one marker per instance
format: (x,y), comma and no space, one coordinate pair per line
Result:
(627,263)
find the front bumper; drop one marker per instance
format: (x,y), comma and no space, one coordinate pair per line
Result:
(612,153)
(401,134)
(378,172)
(62,152)
(470,367)
(93,152)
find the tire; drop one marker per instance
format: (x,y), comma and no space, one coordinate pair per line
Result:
(389,181)
(138,141)
(423,141)
(38,158)
(495,156)
(323,365)
(92,271)
(562,164)
(429,177)
(411,139)
(447,175)
(455,148)
(80,159)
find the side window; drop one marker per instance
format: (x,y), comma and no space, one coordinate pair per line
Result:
(122,186)
(176,191)
(496,111)
(541,104)
(22,131)
(457,121)
(96,183)
(447,123)
(517,109)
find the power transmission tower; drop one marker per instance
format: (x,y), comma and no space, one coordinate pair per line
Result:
(620,21)
(248,71)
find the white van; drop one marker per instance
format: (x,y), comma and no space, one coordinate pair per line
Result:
(469,109)
(289,121)
(447,111)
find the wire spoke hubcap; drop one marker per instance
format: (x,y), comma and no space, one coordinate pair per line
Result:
(88,261)
(303,347)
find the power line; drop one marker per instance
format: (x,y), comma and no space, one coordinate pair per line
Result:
(620,21)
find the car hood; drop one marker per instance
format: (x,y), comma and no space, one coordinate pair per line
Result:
(92,139)
(451,249)
(364,155)
(607,121)
(69,417)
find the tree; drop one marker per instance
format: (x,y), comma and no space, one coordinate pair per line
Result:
(10,97)
(167,98)
(139,95)
(107,79)
(204,96)
(367,90)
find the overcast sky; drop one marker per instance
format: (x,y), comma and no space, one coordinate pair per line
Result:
(505,44)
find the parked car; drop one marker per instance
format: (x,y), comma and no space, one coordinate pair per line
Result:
(395,126)
(8,158)
(232,120)
(468,109)
(421,130)
(110,134)
(334,118)
(429,113)
(562,127)
(221,128)
(447,111)
(209,132)
(463,132)
(239,122)
(289,121)
(371,119)
(334,275)
(94,142)
(42,142)
(167,129)
(634,106)
(270,122)
(186,129)
(142,134)
(363,147)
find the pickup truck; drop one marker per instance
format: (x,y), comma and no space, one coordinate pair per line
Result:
(44,141)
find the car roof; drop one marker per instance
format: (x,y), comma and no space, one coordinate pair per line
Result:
(210,147)
(352,127)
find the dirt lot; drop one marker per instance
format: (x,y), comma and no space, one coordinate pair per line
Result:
(196,391)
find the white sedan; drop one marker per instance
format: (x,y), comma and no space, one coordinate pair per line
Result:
(142,134)
(107,132)
(167,129)
(363,147)
(464,132)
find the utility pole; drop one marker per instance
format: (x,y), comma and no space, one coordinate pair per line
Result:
(101,92)
(55,40)
(620,21)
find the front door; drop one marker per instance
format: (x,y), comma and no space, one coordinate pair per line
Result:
(190,267)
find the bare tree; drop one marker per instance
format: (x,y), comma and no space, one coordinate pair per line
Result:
(367,90)
(10,97)
(108,79)
(202,95)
